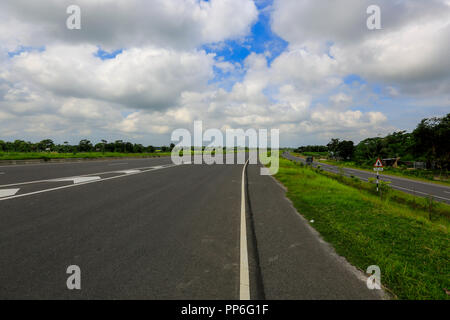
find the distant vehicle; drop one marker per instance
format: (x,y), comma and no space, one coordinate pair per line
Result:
(309,160)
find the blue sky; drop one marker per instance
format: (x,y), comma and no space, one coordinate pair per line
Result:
(261,40)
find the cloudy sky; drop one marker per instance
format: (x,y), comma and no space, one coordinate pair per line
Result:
(138,69)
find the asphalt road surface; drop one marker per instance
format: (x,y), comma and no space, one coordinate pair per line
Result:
(147,229)
(422,189)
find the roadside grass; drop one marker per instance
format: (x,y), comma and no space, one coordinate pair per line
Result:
(315,154)
(78,155)
(419,175)
(425,207)
(412,251)
(90,155)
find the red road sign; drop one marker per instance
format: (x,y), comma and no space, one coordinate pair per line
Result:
(378,164)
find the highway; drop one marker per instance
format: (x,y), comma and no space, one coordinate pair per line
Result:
(148,229)
(422,189)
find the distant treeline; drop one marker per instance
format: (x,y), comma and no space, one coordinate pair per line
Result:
(83,146)
(429,142)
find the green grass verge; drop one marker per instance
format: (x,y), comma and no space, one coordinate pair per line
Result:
(419,175)
(79,155)
(412,251)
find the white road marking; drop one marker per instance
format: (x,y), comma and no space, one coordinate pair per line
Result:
(117,164)
(426,194)
(129,171)
(8,192)
(2,173)
(77,180)
(244,280)
(83,175)
(76,185)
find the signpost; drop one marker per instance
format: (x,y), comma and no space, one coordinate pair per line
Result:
(378,166)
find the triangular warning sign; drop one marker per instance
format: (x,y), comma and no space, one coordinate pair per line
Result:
(378,164)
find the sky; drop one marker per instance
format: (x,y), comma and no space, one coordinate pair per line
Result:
(139,69)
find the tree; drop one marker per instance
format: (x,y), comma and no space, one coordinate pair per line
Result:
(431,141)
(85,146)
(119,146)
(346,149)
(46,145)
(138,148)
(368,149)
(341,149)
(104,142)
(128,146)
(333,147)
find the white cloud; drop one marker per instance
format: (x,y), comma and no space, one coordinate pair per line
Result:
(162,80)
(181,24)
(410,51)
(142,78)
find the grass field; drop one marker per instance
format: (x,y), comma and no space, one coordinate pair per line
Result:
(78,155)
(88,155)
(420,175)
(411,250)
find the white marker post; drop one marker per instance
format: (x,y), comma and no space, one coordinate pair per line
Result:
(378,166)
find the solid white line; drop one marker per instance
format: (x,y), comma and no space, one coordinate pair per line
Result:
(427,194)
(76,185)
(244,280)
(117,164)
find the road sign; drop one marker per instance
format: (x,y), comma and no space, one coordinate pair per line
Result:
(378,164)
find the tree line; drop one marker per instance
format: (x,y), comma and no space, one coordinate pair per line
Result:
(47,145)
(429,142)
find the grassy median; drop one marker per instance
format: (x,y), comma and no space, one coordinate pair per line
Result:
(419,175)
(411,250)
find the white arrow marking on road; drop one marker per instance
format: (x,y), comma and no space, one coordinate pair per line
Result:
(77,180)
(73,185)
(8,192)
(129,171)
